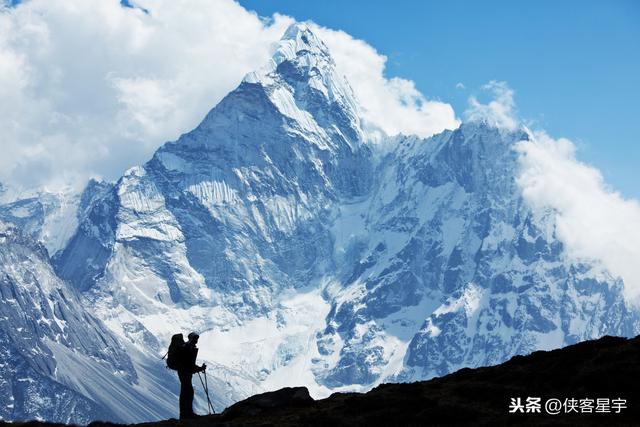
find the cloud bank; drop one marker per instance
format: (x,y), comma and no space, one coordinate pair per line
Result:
(90,88)
(594,222)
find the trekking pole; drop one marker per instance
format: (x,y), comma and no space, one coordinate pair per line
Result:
(207,387)
(206,392)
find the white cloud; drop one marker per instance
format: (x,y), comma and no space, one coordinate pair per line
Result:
(499,112)
(392,104)
(460,86)
(90,88)
(594,222)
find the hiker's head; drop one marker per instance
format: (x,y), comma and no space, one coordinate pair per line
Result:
(193,337)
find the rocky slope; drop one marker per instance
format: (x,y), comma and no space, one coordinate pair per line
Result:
(603,369)
(45,217)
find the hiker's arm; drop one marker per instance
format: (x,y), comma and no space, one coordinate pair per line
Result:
(195,368)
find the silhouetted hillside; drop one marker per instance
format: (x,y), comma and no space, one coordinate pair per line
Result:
(603,369)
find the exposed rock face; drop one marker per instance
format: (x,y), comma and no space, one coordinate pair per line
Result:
(448,234)
(45,217)
(290,397)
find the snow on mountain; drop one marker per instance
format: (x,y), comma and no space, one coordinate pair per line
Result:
(454,269)
(59,363)
(305,255)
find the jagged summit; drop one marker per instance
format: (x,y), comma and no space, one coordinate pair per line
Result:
(298,91)
(302,81)
(297,42)
(300,33)
(298,45)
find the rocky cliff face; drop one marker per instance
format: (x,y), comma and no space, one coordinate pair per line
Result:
(305,254)
(455,270)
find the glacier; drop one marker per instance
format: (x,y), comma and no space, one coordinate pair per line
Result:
(307,252)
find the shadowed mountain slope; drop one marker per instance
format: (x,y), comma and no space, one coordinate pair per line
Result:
(606,368)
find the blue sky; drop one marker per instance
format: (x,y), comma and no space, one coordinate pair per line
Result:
(574,65)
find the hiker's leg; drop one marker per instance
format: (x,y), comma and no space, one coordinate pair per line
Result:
(189,397)
(186,395)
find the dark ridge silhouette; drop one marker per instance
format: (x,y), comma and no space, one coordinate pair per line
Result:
(606,368)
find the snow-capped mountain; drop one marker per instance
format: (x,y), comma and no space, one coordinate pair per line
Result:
(223,218)
(58,362)
(305,254)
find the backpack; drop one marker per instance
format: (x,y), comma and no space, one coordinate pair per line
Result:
(174,354)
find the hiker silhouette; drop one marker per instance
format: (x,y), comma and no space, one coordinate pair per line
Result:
(186,367)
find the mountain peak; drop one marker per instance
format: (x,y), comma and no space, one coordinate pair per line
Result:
(302,39)
(302,57)
(297,43)
(303,82)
